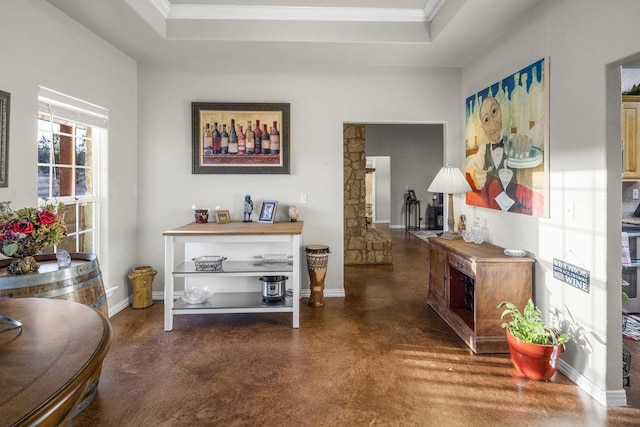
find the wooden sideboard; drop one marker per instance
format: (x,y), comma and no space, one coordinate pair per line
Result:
(468,281)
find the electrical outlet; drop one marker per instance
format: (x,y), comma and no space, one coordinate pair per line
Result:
(635,194)
(569,210)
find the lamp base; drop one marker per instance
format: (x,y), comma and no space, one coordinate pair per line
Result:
(451,235)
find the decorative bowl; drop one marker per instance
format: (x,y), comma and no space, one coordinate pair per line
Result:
(197,294)
(515,252)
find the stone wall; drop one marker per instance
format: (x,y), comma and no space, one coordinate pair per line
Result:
(361,245)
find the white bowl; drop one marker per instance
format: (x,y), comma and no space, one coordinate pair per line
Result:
(197,294)
(515,252)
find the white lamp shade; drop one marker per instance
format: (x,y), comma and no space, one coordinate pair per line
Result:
(449,180)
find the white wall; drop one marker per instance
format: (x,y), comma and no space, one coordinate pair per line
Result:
(382,188)
(42,47)
(321,101)
(580,38)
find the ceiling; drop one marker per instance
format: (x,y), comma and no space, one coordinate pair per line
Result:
(328,33)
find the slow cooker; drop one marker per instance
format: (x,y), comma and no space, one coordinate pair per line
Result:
(274,288)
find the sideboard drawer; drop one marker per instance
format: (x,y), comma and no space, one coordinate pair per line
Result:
(464,265)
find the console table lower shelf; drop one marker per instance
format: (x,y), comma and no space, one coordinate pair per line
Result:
(234,302)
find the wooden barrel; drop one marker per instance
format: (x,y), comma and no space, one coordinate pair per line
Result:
(81,282)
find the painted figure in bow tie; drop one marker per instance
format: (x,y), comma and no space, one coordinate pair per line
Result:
(488,171)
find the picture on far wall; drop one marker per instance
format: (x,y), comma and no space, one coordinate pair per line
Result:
(507,143)
(5,103)
(240,138)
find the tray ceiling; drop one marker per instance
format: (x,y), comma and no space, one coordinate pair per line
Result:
(417,33)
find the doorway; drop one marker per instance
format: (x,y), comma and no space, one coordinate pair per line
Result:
(416,155)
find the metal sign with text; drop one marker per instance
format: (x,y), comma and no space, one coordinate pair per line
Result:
(571,274)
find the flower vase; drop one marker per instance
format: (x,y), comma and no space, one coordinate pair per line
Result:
(24,265)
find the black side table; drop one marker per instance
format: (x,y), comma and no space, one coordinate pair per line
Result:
(434,218)
(412,214)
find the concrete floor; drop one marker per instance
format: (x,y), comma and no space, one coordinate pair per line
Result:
(379,356)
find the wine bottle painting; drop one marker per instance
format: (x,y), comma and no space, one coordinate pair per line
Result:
(241,138)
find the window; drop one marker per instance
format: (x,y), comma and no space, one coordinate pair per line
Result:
(70,132)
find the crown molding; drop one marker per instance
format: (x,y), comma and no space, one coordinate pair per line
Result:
(294,13)
(431,8)
(163,6)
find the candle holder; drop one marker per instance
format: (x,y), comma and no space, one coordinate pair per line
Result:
(202,216)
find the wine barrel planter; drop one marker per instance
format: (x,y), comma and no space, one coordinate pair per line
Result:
(81,282)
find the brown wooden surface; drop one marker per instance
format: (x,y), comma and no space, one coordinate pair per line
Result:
(437,272)
(498,278)
(631,137)
(46,369)
(236,228)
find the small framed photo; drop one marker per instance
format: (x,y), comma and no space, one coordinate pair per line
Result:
(268,211)
(222,217)
(411,195)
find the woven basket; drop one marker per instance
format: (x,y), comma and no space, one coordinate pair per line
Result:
(209,263)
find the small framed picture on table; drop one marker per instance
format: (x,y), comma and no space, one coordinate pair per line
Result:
(268,211)
(223,217)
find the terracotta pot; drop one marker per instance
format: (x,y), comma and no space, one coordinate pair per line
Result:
(534,361)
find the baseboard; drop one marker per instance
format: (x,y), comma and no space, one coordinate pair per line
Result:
(117,308)
(604,397)
(328,293)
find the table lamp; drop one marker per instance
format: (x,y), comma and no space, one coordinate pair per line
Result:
(450,180)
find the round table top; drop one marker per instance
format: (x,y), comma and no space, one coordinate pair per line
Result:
(44,367)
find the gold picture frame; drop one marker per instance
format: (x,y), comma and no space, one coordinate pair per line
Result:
(223,217)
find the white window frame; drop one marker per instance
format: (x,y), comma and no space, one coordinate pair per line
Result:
(58,105)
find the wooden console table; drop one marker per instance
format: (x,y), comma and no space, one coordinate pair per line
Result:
(467,282)
(49,371)
(237,288)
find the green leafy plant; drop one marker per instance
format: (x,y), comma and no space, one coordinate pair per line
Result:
(529,325)
(625,296)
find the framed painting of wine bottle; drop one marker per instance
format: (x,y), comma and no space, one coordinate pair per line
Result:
(240,138)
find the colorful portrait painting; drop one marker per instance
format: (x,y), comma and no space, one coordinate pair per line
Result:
(507,143)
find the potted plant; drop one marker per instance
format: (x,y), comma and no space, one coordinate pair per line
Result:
(534,347)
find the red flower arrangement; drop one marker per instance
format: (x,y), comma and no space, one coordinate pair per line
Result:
(26,231)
